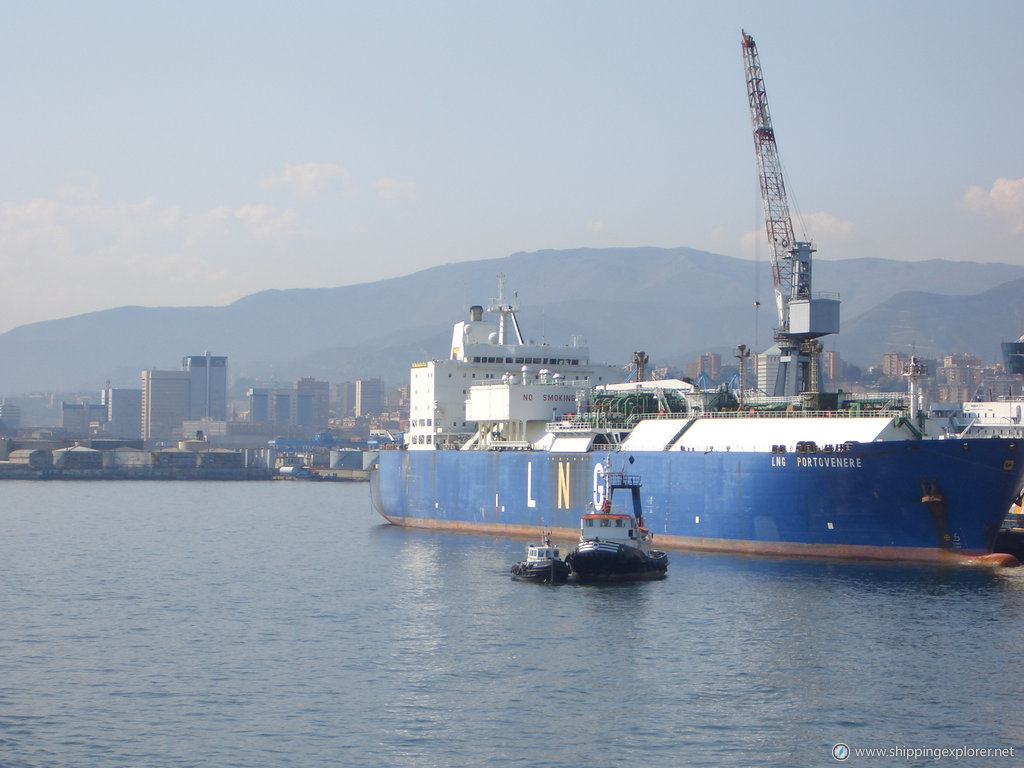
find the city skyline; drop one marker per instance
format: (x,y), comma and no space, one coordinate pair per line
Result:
(333,144)
(310,405)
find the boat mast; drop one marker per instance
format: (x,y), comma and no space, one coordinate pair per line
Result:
(508,325)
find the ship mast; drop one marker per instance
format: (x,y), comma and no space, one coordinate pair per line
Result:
(508,324)
(802,317)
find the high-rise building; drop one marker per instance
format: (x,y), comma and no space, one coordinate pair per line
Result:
(259,405)
(369,397)
(79,418)
(287,410)
(707,363)
(10,415)
(198,391)
(892,364)
(124,411)
(165,403)
(345,398)
(281,406)
(208,386)
(321,402)
(832,365)
(710,364)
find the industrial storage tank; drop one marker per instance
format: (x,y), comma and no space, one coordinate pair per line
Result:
(125,459)
(33,458)
(78,458)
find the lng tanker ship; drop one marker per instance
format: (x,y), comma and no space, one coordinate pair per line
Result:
(512,438)
(509,438)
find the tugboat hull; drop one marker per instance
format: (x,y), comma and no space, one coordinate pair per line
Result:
(608,561)
(555,572)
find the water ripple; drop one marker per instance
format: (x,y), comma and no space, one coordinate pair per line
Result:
(280,624)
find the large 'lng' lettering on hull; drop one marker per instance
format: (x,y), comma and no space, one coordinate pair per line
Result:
(563,485)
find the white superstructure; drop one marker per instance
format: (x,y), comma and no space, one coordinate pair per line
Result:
(492,353)
(989,418)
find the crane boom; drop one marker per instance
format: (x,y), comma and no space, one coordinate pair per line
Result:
(790,260)
(778,224)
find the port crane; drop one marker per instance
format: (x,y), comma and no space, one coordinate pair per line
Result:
(803,316)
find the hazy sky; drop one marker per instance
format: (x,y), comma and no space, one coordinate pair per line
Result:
(191,153)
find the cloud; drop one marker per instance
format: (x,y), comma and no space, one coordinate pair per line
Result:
(26,228)
(81,188)
(595,225)
(56,226)
(825,226)
(310,180)
(264,221)
(68,254)
(393,189)
(1004,200)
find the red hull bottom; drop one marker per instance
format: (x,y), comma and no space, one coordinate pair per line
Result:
(934,555)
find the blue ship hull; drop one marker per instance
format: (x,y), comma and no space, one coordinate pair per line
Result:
(917,500)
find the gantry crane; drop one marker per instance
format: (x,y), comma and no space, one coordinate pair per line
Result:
(803,317)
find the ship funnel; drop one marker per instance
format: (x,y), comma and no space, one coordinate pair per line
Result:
(476,313)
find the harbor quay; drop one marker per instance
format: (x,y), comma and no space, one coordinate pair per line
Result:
(188,460)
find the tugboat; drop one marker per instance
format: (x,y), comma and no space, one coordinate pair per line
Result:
(616,546)
(542,564)
(1010,539)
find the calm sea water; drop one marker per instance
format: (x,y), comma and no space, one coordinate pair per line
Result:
(282,624)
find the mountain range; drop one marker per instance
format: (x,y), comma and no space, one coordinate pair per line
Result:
(673,303)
